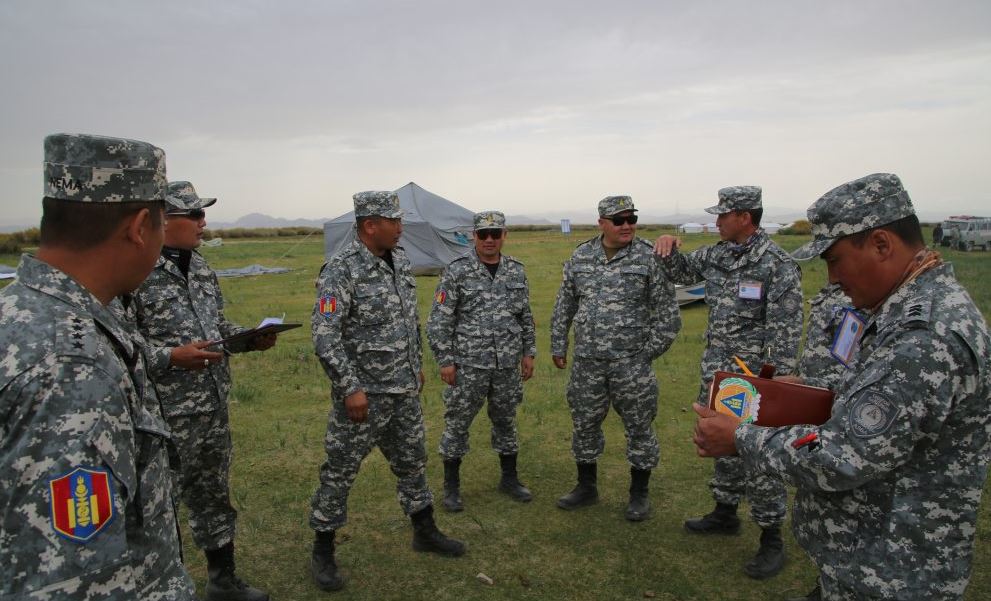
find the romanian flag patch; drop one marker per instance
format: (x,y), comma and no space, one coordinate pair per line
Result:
(440,297)
(82,503)
(327,305)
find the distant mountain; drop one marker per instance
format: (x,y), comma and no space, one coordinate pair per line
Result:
(256,220)
(524,220)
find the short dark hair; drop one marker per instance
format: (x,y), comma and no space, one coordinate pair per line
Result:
(755,215)
(907,229)
(83,225)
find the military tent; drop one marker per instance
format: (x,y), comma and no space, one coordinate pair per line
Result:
(435,230)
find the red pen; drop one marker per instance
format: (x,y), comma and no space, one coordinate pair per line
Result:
(805,440)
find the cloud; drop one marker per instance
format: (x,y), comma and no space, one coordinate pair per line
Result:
(288,108)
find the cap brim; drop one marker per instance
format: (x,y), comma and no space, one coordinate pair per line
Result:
(207,202)
(717,210)
(618,212)
(812,249)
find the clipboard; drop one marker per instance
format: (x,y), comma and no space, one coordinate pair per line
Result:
(271,328)
(778,403)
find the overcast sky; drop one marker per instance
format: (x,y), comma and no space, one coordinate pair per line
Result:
(287,108)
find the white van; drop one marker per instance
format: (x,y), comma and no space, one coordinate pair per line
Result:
(966,232)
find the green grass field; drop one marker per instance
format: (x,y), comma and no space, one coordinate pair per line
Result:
(533,551)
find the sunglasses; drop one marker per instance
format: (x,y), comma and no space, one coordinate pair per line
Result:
(619,220)
(196,214)
(494,233)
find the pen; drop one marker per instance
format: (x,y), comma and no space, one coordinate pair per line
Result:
(743,365)
(805,440)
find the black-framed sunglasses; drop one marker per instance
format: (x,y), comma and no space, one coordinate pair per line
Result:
(493,233)
(619,220)
(195,214)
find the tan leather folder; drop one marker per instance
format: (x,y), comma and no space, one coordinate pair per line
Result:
(781,404)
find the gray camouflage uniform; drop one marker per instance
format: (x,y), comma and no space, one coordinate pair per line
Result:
(764,330)
(816,365)
(74,396)
(171,310)
(482,324)
(625,315)
(887,501)
(366,334)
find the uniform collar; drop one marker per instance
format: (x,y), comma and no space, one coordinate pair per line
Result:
(910,293)
(477,261)
(600,250)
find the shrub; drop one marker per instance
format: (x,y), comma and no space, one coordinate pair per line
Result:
(799,228)
(9,245)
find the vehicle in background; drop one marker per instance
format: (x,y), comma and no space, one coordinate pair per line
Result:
(967,232)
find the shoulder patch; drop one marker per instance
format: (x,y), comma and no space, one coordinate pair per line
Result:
(327,305)
(871,414)
(82,503)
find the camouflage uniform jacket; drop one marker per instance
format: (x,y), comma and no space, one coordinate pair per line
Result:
(74,407)
(365,323)
(887,499)
(620,307)
(817,366)
(768,328)
(480,320)
(172,310)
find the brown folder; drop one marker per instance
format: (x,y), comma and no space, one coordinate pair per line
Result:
(781,403)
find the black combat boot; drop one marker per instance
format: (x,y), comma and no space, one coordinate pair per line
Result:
(770,557)
(323,566)
(815,595)
(452,486)
(427,538)
(722,520)
(510,482)
(638,508)
(223,583)
(585,492)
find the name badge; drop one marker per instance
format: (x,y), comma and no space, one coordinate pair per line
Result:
(847,338)
(751,289)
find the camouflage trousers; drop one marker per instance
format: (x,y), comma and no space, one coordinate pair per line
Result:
(630,386)
(504,390)
(395,426)
(202,482)
(730,481)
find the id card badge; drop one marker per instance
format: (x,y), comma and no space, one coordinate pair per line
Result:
(751,289)
(847,339)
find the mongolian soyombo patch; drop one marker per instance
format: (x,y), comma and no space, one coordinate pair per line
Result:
(82,503)
(871,414)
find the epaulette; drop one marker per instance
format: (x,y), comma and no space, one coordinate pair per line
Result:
(779,252)
(76,336)
(513,259)
(581,244)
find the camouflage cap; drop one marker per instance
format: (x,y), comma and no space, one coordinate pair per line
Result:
(89,168)
(490,220)
(610,205)
(863,204)
(737,198)
(377,204)
(182,196)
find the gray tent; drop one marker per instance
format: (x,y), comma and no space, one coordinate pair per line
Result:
(435,230)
